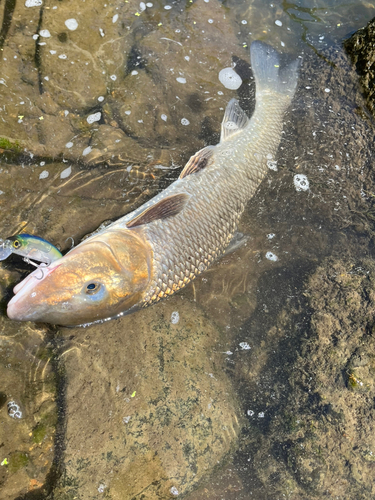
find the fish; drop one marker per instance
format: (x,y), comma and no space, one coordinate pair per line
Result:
(163,245)
(30,247)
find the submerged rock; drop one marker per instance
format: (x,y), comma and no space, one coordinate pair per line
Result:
(149,411)
(131,71)
(28,412)
(360,48)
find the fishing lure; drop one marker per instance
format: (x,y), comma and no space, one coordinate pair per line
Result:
(30,248)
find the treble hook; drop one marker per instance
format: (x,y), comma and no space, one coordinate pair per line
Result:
(38,266)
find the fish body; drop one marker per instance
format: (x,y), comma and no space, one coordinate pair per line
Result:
(30,247)
(164,244)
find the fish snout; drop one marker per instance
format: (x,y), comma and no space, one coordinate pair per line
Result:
(26,305)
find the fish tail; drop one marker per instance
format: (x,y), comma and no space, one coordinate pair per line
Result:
(268,74)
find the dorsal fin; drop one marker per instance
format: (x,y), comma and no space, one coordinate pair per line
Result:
(197,162)
(235,120)
(169,206)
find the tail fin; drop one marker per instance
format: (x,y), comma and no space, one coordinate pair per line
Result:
(265,62)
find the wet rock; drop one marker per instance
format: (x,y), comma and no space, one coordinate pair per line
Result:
(130,70)
(148,408)
(28,412)
(360,48)
(316,435)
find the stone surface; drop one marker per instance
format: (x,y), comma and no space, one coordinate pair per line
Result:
(148,408)
(360,48)
(28,412)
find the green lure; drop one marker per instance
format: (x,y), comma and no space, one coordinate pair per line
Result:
(30,247)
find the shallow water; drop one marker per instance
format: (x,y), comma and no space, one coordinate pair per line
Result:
(257,380)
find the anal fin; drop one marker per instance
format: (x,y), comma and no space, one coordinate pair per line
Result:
(238,241)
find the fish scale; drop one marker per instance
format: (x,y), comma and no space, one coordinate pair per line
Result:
(220,197)
(193,247)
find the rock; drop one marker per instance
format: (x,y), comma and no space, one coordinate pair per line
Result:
(360,48)
(148,408)
(28,412)
(118,68)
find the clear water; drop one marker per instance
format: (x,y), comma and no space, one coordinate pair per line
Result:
(246,385)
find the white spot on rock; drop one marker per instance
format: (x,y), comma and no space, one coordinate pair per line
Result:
(301,182)
(175,318)
(230,79)
(65,173)
(278,23)
(181,80)
(86,151)
(113,77)
(95,117)
(244,346)
(185,121)
(164,117)
(33,3)
(115,18)
(44,174)
(71,24)
(44,33)
(174,491)
(69,145)
(102,487)
(14,410)
(271,256)
(272,165)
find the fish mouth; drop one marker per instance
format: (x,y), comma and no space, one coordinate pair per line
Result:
(21,307)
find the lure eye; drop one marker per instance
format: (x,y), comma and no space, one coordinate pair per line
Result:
(92,288)
(16,244)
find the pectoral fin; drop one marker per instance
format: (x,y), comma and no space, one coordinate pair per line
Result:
(168,207)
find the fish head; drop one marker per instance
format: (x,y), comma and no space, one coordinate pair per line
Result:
(101,278)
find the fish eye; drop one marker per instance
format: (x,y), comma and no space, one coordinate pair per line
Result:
(16,244)
(92,288)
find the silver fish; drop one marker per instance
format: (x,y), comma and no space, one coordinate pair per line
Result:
(163,245)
